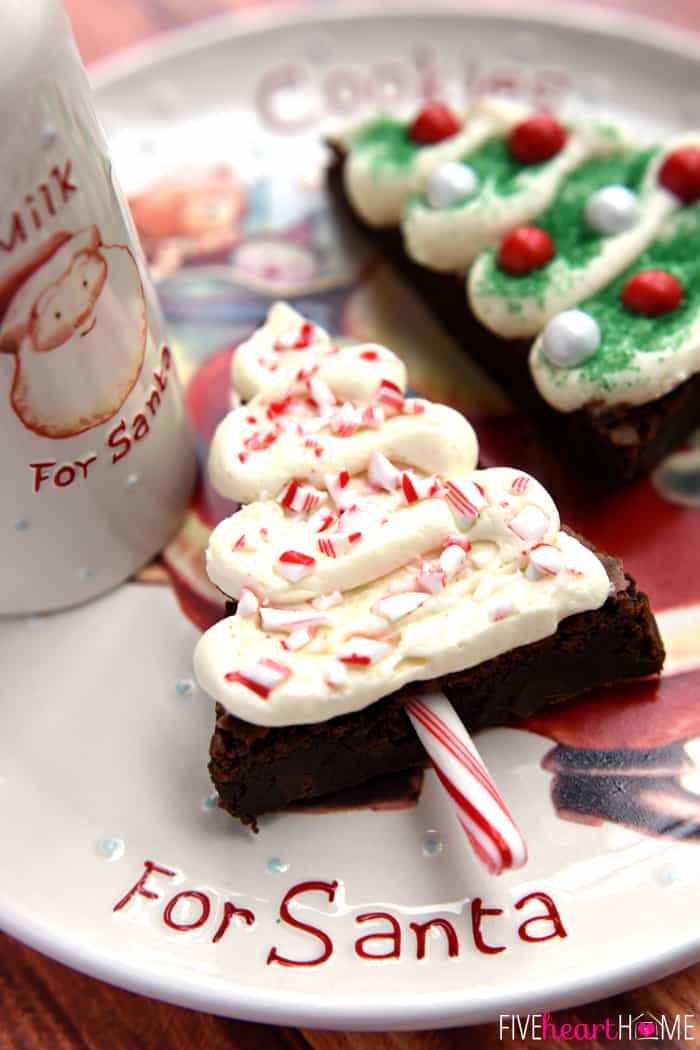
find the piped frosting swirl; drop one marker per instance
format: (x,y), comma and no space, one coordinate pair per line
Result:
(384,556)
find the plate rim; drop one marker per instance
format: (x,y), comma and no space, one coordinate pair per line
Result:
(642,30)
(324,1010)
(319,1009)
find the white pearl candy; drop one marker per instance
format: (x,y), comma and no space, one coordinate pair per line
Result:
(612,209)
(570,338)
(450,183)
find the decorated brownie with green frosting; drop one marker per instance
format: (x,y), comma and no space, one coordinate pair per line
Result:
(388,159)
(608,276)
(635,339)
(508,180)
(603,215)
(570,234)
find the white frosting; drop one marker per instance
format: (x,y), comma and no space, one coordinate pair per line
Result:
(283,435)
(269,360)
(439,435)
(379,195)
(450,239)
(490,605)
(649,376)
(568,285)
(355,586)
(392,532)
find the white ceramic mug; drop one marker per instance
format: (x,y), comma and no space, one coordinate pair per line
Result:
(96,456)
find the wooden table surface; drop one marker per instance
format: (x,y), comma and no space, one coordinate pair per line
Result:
(44,1005)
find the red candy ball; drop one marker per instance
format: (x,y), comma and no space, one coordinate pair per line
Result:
(434,123)
(524,249)
(537,138)
(652,292)
(680,173)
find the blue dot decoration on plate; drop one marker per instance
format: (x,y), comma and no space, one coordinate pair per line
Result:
(86,573)
(210,802)
(183,686)
(132,480)
(21,525)
(110,848)
(276,866)
(432,845)
(48,136)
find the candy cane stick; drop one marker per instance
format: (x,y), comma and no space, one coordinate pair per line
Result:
(480,809)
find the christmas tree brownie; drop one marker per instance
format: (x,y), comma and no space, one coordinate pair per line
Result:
(371,558)
(562,255)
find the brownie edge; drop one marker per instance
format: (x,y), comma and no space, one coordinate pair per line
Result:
(258,769)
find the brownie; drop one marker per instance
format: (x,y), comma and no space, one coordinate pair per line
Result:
(257,769)
(618,442)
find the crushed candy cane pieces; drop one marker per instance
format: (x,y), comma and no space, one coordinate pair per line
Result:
(381,472)
(431,577)
(451,560)
(544,560)
(261,679)
(363,651)
(297,639)
(294,565)
(336,674)
(415,488)
(300,497)
(395,606)
(466,502)
(529,524)
(248,603)
(320,393)
(390,395)
(328,601)
(337,484)
(520,485)
(300,339)
(345,420)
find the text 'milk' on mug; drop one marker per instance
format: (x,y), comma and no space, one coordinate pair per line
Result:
(97,456)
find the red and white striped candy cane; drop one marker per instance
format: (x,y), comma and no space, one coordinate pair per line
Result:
(480,809)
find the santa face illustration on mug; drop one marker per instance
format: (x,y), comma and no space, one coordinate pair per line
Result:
(76,324)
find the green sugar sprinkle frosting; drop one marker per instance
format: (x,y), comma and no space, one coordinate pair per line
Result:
(625,334)
(500,174)
(575,242)
(386,141)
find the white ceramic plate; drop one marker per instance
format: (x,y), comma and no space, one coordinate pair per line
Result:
(104,736)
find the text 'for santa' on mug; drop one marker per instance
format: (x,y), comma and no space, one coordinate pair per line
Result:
(98,461)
